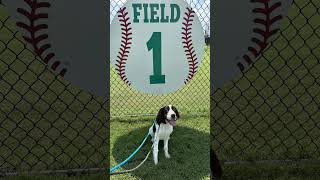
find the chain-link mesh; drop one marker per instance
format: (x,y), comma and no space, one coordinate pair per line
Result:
(48,124)
(272,111)
(45,122)
(193,98)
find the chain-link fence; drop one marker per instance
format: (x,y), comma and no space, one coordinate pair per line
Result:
(272,111)
(48,124)
(45,122)
(191,99)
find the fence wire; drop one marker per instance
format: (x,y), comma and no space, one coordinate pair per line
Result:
(48,124)
(45,122)
(272,111)
(192,99)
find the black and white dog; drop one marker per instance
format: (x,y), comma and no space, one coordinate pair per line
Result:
(162,128)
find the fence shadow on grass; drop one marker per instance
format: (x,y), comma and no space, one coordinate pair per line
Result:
(189,150)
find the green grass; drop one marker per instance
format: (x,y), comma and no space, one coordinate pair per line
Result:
(57,177)
(188,147)
(277,171)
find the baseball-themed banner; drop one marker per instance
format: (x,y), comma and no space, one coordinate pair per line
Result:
(156,46)
(242,30)
(70,37)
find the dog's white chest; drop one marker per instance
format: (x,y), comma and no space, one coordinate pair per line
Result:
(165,131)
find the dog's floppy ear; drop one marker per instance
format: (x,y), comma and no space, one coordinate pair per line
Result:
(161,117)
(176,111)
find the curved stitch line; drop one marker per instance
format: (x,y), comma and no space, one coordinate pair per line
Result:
(266,33)
(34,40)
(187,44)
(125,44)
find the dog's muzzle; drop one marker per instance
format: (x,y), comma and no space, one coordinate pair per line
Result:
(172,122)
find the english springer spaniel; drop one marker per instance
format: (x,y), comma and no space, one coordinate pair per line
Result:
(162,128)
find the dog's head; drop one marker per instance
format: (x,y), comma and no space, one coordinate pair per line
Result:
(168,114)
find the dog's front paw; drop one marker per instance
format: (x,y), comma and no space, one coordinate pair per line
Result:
(168,156)
(155,162)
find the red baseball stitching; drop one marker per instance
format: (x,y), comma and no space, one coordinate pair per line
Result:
(187,44)
(125,44)
(32,28)
(266,33)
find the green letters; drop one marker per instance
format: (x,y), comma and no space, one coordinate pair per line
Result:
(135,12)
(163,19)
(155,44)
(156,13)
(145,9)
(173,7)
(153,8)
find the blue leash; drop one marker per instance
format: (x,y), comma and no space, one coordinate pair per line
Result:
(130,157)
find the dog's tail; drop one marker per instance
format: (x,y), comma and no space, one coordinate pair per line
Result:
(215,166)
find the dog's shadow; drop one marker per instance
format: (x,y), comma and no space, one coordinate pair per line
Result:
(189,150)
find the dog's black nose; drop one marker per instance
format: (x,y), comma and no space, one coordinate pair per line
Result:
(173,115)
